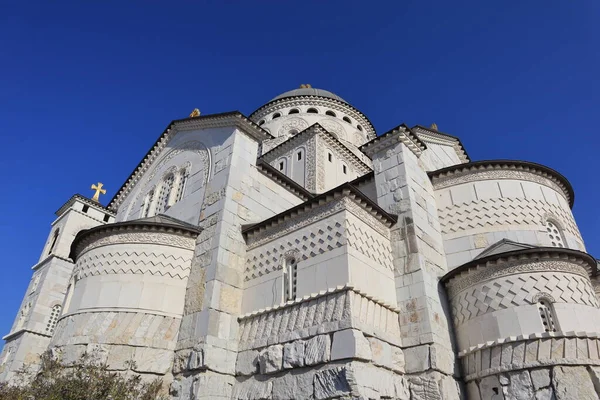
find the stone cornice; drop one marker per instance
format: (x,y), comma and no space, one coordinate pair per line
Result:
(85,200)
(47,260)
(283,180)
(443,138)
(401,133)
(462,173)
(346,190)
(21,331)
(483,268)
(316,101)
(331,140)
(87,236)
(228,119)
(313,296)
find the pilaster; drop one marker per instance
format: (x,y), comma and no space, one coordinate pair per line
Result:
(404,189)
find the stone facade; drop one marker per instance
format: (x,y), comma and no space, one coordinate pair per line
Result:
(295,254)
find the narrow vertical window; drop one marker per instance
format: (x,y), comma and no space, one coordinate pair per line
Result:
(148,204)
(555,234)
(330,157)
(53,242)
(547,315)
(344,169)
(299,155)
(53,319)
(165,192)
(181,184)
(281,166)
(290,278)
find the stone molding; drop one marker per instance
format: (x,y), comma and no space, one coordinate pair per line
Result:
(314,210)
(85,200)
(131,233)
(230,119)
(502,169)
(400,134)
(538,259)
(328,311)
(269,171)
(533,351)
(297,101)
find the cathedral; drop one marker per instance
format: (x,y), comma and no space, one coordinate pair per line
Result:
(296,253)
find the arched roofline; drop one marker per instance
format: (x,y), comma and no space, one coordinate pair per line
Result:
(514,165)
(536,253)
(370,129)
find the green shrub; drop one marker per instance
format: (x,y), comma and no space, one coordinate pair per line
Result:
(86,380)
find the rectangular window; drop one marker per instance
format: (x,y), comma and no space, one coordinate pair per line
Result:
(281,166)
(85,208)
(299,155)
(106,217)
(345,169)
(330,157)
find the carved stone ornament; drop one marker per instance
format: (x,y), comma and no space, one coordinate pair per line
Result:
(293,126)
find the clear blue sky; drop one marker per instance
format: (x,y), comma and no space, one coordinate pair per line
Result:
(87,87)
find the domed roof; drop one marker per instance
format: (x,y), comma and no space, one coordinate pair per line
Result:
(309,92)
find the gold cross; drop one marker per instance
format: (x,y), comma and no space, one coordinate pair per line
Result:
(99,191)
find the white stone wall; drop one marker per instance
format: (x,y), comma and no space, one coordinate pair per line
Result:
(438,155)
(501,300)
(484,210)
(334,244)
(127,300)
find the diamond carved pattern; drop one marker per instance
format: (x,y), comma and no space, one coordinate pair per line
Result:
(517,290)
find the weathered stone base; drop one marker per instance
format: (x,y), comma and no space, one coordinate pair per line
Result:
(434,385)
(203,385)
(345,380)
(561,382)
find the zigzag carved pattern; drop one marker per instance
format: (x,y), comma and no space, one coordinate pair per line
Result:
(134,262)
(517,290)
(502,211)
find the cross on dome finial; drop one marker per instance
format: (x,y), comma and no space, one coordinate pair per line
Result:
(98,188)
(305,86)
(195,113)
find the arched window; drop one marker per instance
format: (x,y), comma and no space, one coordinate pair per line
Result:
(290,278)
(53,242)
(547,315)
(54,314)
(181,182)
(555,234)
(294,111)
(312,111)
(261,122)
(330,113)
(348,120)
(359,127)
(165,191)
(276,115)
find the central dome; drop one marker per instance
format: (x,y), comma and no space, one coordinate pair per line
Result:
(309,92)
